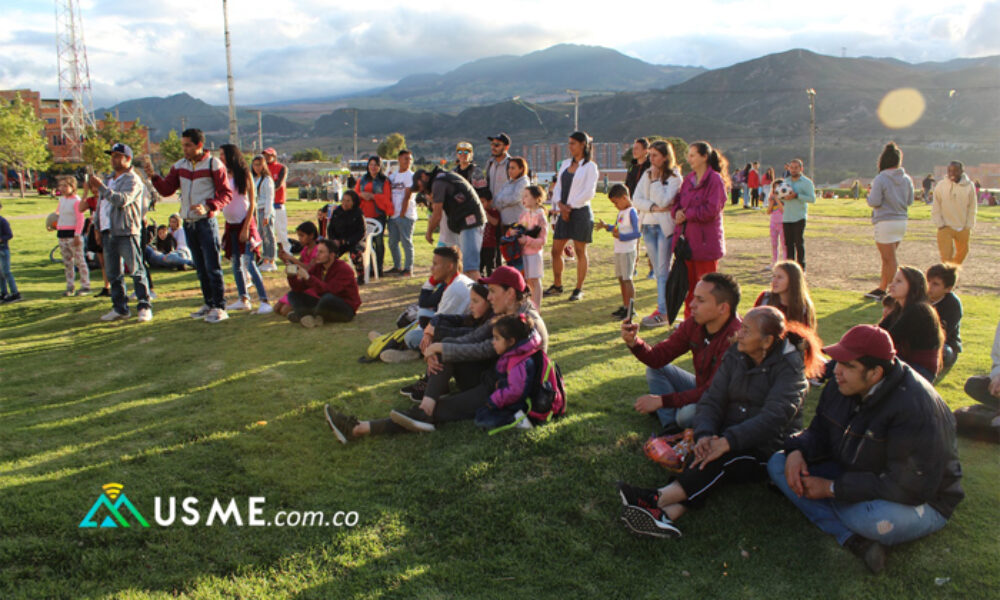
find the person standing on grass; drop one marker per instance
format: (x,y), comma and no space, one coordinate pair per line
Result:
(533,199)
(497,173)
(507,199)
(574,190)
(878,465)
(8,287)
(890,197)
(457,209)
(776,210)
(751,407)
(323,291)
(124,195)
(954,213)
(639,165)
(204,188)
(241,241)
(69,228)
(263,187)
(654,197)
(626,232)
(279,174)
(928,185)
(673,391)
(753,182)
(698,211)
(375,191)
(404,211)
(795,211)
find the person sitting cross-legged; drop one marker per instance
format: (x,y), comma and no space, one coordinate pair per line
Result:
(878,464)
(323,291)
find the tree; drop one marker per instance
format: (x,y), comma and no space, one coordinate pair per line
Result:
(309,154)
(108,132)
(170,149)
(391,145)
(680,151)
(22,144)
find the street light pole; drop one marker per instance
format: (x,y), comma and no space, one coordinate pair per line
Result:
(234,134)
(812,133)
(355,134)
(260,132)
(576,108)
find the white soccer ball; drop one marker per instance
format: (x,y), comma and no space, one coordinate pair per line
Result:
(784,190)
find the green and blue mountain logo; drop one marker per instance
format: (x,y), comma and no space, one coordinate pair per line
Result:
(115,502)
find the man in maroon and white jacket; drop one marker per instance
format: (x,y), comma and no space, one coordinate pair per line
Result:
(204,188)
(707,334)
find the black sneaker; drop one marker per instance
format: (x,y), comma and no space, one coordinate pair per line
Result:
(875,294)
(413,419)
(342,425)
(576,295)
(870,551)
(553,290)
(104,293)
(635,496)
(12,298)
(652,522)
(392,271)
(620,313)
(415,388)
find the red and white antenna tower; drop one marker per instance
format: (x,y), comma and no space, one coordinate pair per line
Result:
(76,106)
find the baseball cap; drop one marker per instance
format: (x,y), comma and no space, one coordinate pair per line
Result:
(503,137)
(416,179)
(464,146)
(506,276)
(270,151)
(862,340)
(120,148)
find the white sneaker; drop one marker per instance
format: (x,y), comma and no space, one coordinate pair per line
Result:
(265,309)
(310,321)
(145,315)
(268,267)
(201,313)
(373,335)
(113,315)
(216,314)
(522,420)
(241,304)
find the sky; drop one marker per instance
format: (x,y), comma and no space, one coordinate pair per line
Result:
(310,48)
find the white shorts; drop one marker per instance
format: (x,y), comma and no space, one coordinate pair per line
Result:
(890,232)
(533,266)
(625,265)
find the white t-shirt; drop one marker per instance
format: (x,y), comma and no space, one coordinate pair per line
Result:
(237,209)
(455,300)
(400,183)
(180,238)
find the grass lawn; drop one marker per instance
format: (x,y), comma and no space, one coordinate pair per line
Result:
(182,408)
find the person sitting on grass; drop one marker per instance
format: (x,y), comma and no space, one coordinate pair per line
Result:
(707,335)
(913,323)
(789,293)
(626,232)
(752,405)
(983,421)
(878,464)
(941,280)
(322,291)
(515,340)
(162,253)
(308,236)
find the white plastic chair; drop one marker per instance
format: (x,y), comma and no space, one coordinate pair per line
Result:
(372,229)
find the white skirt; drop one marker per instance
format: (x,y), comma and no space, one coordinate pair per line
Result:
(890,232)
(533,266)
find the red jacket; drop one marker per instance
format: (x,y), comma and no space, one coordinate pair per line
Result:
(753,179)
(383,197)
(706,355)
(338,280)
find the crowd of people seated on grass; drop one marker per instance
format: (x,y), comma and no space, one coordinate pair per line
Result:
(877,465)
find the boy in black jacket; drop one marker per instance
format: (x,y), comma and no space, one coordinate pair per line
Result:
(941,280)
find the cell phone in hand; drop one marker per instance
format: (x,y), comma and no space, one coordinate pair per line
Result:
(631,311)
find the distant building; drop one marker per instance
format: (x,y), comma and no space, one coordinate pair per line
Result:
(48,110)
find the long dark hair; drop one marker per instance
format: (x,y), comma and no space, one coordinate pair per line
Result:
(378,162)
(917,288)
(588,144)
(800,305)
(667,150)
(237,166)
(772,322)
(891,157)
(716,161)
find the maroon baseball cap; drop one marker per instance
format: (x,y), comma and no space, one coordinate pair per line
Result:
(270,151)
(506,276)
(862,340)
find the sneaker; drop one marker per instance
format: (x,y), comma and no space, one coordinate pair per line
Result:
(553,290)
(83,292)
(342,425)
(521,421)
(652,522)
(265,309)
(241,304)
(875,294)
(413,419)
(152,295)
(636,496)
(113,315)
(651,275)
(870,551)
(12,298)
(654,320)
(406,273)
(68,293)
(104,293)
(620,313)
(415,390)
(576,295)
(392,271)
(201,313)
(373,335)
(268,267)
(216,314)
(145,315)
(293,317)
(311,321)
(398,356)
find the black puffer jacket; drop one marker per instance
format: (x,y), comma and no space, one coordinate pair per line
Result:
(755,407)
(897,444)
(348,226)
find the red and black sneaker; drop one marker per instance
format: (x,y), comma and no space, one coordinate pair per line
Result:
(636,496)
(651,522)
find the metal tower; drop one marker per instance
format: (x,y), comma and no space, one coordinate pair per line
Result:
(76,106)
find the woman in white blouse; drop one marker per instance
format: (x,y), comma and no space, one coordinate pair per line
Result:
(654,195)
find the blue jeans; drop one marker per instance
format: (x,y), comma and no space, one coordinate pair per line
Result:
(888,523)
(6,277)
(401,230)
(669,379)
(165,261)
(250,261)
(122,252)
(203,241)
(412,338)
(746,195)
(470,241)
(658,249)
(269,249)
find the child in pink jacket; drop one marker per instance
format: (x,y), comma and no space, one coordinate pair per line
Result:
(533,198)
(69,230)
(776,208)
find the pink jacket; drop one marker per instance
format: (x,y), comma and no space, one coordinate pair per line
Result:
(531,219)
(702,204)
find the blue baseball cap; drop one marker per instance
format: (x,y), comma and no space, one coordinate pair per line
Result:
(120,148)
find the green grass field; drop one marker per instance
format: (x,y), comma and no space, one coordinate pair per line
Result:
(182,408)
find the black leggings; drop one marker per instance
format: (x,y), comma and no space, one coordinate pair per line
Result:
(489,259)
(731,467)
(328,306)
(795,245)
(454,407)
